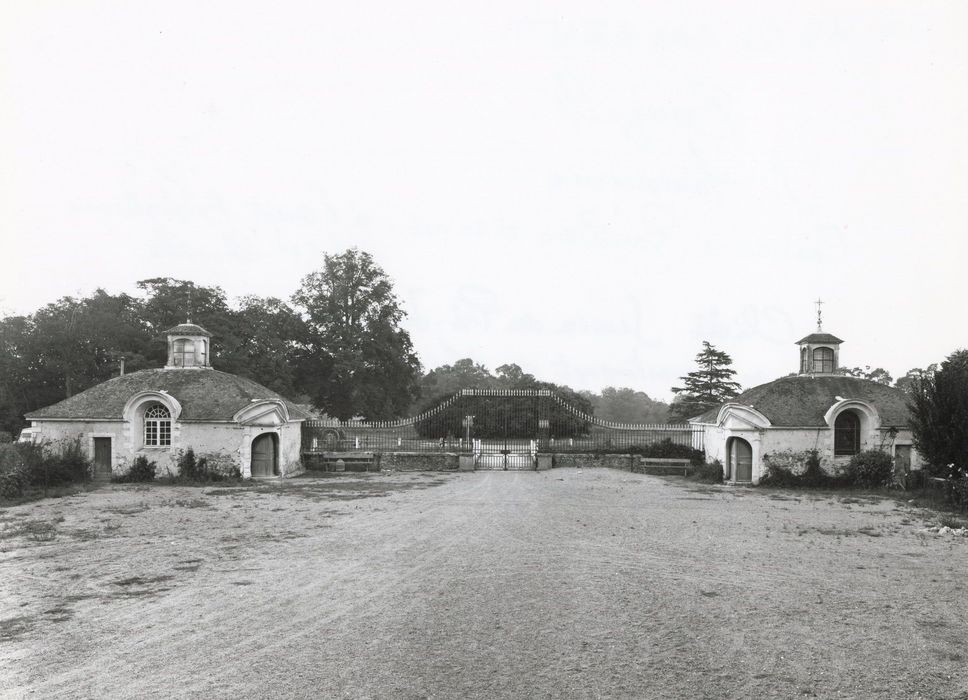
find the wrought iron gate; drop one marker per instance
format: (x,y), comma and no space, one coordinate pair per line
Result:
(501,428)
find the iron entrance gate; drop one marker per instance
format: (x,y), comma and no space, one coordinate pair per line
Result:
(504,426)
(500,428)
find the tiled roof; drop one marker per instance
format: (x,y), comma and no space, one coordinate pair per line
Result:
(188,329)
(204,394)
(802,400)
(820,338)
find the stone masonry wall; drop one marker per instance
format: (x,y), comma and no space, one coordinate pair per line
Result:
(418,461)
(567,459)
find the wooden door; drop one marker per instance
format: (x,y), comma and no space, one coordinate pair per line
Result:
(264,455)
(102,458)
(742,460)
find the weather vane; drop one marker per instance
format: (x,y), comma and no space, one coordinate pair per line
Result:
(189,304)
(819,304)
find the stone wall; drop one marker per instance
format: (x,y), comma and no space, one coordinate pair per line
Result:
(568,459)
(418,461)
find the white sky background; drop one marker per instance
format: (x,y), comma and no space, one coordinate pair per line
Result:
(588,189)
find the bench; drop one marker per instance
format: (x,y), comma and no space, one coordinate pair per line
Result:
(663,465)
(356,461)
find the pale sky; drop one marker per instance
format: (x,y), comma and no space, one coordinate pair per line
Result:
(588,189)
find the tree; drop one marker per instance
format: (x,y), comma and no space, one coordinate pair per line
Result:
(624,405)
(358,361)
(172,301)
(908,381)
(497,416)
(879,374)
(443,381)
(265,344)
(708,386)
(939,414)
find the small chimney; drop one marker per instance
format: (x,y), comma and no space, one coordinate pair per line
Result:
(122,368)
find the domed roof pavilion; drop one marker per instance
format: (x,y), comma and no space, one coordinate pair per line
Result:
(233,421)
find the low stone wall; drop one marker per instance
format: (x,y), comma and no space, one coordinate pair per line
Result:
(418,461)
(448,461)
(569,459)
(326,463)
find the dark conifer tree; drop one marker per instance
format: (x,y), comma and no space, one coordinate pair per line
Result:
(939,414)
(705,388)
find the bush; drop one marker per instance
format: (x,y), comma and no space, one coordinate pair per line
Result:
(141,471)
(66,464)
(798,470)
(14,477)
(708,472)
(206,469)
(870,469)
(665,449)
(26,465)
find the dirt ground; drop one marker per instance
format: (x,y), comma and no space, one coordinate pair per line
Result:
(567,583)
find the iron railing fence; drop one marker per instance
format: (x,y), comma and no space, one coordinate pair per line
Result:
(494,421)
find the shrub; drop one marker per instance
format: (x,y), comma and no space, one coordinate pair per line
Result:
(708,472)
(666,449)
(9,458)
(26,465)
(140,472)
(14,477)
(66,464)
(958,487)
(797,470)
(205,469)
(187,466)
(870,469)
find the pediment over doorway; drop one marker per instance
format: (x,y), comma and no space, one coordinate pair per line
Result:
(267,412)
(735,416)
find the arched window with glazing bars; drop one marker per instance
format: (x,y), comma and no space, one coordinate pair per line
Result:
(157,427)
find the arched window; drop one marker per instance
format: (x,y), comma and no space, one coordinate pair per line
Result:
(184,353)
(157,427)
(847,434)
(202,352)
(823,360)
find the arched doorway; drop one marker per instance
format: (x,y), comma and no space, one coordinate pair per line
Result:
(740,460)
(847,434)
(264,455)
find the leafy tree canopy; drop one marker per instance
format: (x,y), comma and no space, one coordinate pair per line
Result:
(708,386)
(496,416)
(878,374)
(359,361)
(443,381)
(74,343)
(908,381)
(625,405)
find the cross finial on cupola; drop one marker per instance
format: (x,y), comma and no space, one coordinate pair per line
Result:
(819,352)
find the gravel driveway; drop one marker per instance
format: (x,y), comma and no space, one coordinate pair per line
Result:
(567,583)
